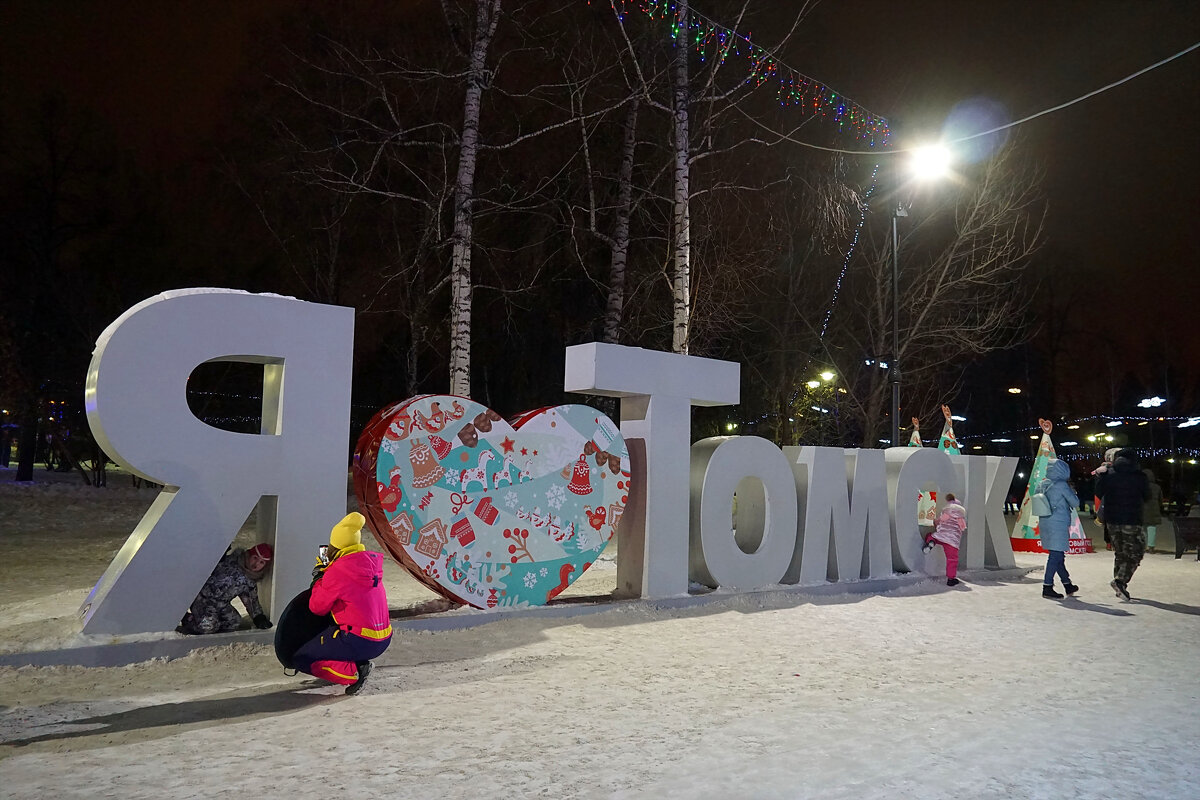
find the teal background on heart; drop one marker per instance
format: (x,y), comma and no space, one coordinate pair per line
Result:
(566,511)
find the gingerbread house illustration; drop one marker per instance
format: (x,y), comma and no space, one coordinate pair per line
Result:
(430,538)
(402,526)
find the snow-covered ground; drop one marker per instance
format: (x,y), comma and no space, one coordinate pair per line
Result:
(982,691)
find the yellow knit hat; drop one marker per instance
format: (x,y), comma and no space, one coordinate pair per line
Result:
(348,532)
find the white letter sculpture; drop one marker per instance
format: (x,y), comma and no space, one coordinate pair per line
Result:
(658,391)
(766,522)
(845,498)
(137,407)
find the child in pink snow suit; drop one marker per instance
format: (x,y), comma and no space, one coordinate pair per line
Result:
(947,532)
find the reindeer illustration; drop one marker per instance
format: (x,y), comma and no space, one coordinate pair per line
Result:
(504,475)
(478,473)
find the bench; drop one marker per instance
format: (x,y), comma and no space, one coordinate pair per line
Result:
(1187,535)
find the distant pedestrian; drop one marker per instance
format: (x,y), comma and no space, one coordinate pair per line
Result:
(1097,510)
(1124,491)
(1054,529)
(1152,510)
(1086,489)
(951,524)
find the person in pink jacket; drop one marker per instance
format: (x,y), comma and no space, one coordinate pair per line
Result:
(951,524)
(350,591)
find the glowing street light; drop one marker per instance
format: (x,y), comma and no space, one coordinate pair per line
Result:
(927,163)
(1152,402)
(930,162)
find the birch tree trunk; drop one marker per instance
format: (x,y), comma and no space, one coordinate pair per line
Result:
(681,284)
(486,17)
(620,246)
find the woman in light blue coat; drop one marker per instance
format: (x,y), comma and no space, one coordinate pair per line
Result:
(1055,530)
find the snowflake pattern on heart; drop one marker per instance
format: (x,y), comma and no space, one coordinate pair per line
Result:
(487,512)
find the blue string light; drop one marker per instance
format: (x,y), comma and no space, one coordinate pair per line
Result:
(862,220)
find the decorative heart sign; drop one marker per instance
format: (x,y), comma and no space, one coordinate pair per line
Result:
(487,512)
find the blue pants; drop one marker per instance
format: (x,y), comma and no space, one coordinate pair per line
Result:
(333,654)
(1056,564)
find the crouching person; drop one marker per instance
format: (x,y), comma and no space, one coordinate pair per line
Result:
(350,590)
(236,575)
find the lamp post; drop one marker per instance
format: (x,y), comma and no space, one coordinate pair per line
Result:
(894,361)
(927,163)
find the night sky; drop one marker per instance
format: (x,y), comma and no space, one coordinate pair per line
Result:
(1120,171)
(1120,168)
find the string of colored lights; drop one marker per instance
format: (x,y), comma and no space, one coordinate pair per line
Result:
(1023,120)
(712,39)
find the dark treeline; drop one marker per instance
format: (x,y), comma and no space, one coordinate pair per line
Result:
(488,182)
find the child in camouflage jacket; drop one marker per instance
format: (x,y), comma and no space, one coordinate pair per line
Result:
(236,575)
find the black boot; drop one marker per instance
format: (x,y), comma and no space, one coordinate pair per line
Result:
(1048,591)
(1070,588)
(364,669)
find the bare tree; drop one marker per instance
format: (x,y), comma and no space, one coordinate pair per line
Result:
(963,287)
(389,129)
(712,111)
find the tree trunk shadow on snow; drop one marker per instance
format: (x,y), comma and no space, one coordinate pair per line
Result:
(151,722)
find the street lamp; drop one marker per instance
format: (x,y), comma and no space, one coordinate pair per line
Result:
(926,163)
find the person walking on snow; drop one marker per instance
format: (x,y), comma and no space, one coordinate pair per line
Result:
(948,531)
(1123,491)
(349,590)
(1054,530)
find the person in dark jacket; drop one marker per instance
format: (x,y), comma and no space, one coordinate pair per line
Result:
(1124,490)
(236,575)
(350,591)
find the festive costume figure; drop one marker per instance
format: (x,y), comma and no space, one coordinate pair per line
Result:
(914,440)
(349,590)
(927,501)
(947,442)
(236,575)
(951,524)
(1025,536)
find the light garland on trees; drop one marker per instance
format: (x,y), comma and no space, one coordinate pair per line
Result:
(711,39)
(862,220)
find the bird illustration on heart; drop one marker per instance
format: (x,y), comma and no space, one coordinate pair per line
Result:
(488,512)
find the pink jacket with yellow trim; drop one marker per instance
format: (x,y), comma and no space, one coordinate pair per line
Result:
(351,589)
